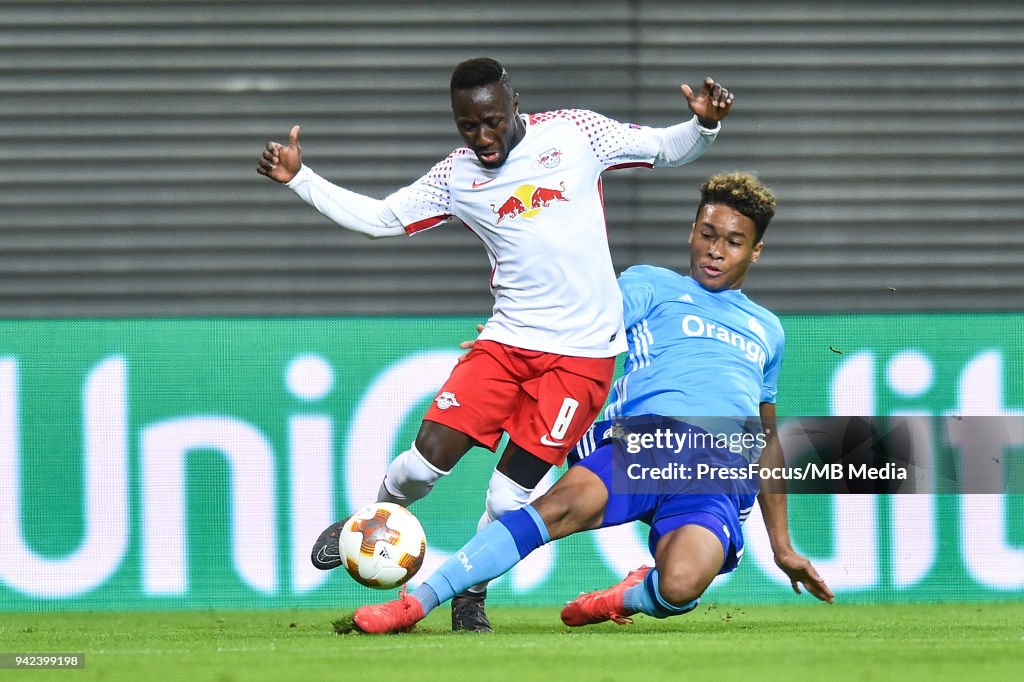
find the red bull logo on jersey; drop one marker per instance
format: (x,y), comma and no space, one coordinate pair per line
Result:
(528,200)
(512,207)
(550,158)
(543,196)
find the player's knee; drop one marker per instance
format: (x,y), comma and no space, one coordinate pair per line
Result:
(680,585)
(411,477)
(504,495)
(558,513)
(440,446)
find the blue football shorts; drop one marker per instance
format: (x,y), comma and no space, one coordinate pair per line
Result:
(664,504)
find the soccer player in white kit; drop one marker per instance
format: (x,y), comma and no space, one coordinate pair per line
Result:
(529,186)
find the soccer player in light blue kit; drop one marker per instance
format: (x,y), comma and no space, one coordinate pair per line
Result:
(704,353)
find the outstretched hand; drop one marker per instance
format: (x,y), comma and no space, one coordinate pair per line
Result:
(711,104)
(801,572)
(281,163)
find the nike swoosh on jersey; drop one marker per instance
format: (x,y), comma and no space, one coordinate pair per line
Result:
(544,440)
(481,184)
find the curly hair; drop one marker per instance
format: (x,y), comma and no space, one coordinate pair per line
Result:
(475,73)
(742,192)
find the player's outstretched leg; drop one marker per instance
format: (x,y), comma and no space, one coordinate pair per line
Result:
(490,553)
(597,607)
(409,478)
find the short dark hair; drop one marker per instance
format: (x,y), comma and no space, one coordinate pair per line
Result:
(475,73)
(742,192)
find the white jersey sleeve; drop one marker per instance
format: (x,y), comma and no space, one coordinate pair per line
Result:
(427,202)
(614,144)
(683,143)
(348,209)
(623,145)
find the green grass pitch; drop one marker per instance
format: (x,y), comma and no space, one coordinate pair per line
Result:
(929,642)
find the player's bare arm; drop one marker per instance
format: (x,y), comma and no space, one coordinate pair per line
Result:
(281,163)
(774,511)
(711,104)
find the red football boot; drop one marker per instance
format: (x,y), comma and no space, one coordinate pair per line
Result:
(400,615)
(597,607)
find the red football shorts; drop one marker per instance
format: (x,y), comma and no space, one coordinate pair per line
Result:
(545,402)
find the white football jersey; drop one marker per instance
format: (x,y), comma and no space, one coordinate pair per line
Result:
(541,219)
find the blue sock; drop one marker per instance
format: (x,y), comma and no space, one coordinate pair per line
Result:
(491,552)
(646,598)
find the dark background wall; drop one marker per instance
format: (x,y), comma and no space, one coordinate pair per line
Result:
(892,134)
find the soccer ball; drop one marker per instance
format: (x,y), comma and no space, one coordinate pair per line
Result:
(383,545)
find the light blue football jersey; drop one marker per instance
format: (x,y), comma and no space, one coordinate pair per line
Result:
(693,352)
